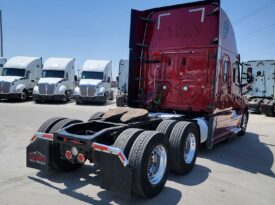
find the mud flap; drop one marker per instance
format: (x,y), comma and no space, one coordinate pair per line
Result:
(254,105)
(115,175)
(267,107)
(38,154)
(211,131)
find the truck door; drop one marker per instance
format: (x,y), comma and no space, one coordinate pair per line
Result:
(224,98)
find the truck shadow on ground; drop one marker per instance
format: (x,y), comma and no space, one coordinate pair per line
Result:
(109,102)
(54,102)
(14,101)
(198,175)
(245,153)
(88,176)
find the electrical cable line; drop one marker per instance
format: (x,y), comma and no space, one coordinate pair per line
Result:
(257,31)
(254,12)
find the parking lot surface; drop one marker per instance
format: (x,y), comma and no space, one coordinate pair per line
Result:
(240,171)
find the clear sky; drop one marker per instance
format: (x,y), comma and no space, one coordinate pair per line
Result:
(99,29)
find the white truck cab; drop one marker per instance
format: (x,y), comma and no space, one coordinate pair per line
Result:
(2,63)
(260,90)
(57,82)
(123,75)
(95,82)
(19,76)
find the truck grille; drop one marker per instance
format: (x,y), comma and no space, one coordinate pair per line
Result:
(87,90)
(46,89)
(5,87)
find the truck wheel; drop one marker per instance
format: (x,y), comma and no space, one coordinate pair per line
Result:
(149,163)
(112,95)
(24,95)
(119,102)
(166,127)
(55,156)
(243,124)
(184,140)
(96,116)
(65,97)
(103,102)
(47,126)
(126,139)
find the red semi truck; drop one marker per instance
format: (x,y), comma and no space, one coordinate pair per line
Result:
(184,90)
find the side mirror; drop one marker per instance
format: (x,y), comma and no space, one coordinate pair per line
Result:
(75,78)
(108,79)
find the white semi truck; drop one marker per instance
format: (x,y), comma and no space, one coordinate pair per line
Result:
(123,72)
(2,63)
(95,82)
(260,89)
(57,82)
(19,76)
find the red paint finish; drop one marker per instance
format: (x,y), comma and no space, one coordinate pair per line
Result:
(180,39)
(183,59)
(180,66)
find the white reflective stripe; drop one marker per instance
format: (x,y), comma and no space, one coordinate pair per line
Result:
(42,135)
(202,12)
(111,150)
(162,15)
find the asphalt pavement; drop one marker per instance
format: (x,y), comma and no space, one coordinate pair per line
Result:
(240,171)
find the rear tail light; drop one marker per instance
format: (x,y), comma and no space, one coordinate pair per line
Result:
(68,155)
(33,138)
(81,158)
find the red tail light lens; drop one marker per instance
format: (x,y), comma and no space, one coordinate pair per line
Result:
(69,155)
(81,158)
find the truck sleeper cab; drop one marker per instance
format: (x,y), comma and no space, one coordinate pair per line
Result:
(95,82)
(260,90)
(19,76)
(184,90)
(123,75)
(57,82)
(2,63)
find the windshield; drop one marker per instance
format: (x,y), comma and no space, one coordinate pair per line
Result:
(13,72)
(53,74)
(92,75)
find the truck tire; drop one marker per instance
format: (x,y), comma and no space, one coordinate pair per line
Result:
(104,100)
(55,157)
(47,126)
(63,123)
(24,96)
(166,127)
(243,124)
(184,140)
(96,116)
(112,96)
(149,177)
(78,102)
(65,97)
(126,139)
(120,101)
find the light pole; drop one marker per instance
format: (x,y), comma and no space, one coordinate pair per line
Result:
(1,36)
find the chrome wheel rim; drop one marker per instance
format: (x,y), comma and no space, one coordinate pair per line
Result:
(23,96)
(189,148)
(157,164)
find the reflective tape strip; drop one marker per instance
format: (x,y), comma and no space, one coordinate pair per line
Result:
(111,150)
(46,136)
